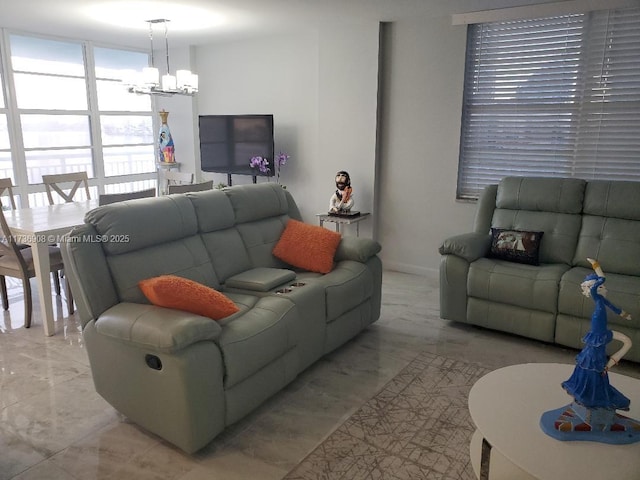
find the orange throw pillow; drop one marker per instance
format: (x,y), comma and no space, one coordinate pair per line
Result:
(180,293)
(307,246)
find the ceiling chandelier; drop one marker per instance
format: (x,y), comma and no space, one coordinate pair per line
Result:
(148,82)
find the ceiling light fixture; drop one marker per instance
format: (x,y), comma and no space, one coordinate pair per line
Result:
(148,82)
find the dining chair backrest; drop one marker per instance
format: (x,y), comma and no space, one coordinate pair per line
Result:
(53,184)
(107,198)
(6,188)
(194,187)
(9,246)
(177,178)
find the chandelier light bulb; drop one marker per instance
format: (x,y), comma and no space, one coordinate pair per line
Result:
(194,82)
(184,78)
(168,82)
(151,76)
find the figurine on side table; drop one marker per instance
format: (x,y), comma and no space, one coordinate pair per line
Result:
(342,200)
(592,415)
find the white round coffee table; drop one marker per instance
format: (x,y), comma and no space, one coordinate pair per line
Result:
(506,406)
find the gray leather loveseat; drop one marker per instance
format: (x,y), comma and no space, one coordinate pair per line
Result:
(578,220)
(185,377)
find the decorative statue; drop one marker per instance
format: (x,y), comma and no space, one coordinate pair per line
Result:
(166,150)
(592,415)
(342,200)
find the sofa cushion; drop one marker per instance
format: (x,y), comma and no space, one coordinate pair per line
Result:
(615,242)
(513,319)
(549,205)
(213,210)
(515,245)
(559,195)
(227,252)
(171,291)
(260,237)
(255,338)
(617,199)
(623,291)
(611,227)
(560,231)
(310,298)
(255,202)
(186,258)
(509,283)
(130,226)
(307,246)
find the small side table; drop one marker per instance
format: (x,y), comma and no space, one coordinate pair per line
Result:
(325,217)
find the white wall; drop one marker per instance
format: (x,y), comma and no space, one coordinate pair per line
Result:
(275,75)
(322,87)
(348,89)
(423,85)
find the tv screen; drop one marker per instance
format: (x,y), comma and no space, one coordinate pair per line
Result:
(228,142)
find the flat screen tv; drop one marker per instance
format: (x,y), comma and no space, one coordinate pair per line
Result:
(228,142)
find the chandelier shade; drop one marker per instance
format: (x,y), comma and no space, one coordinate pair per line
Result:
(149,82)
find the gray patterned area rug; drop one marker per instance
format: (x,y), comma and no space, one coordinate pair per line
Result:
(417,427)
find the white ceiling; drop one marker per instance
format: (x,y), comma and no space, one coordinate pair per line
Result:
(211,21)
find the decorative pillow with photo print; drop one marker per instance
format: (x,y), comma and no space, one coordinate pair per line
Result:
(518,246)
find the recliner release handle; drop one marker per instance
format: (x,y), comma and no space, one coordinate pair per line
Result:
(153,362)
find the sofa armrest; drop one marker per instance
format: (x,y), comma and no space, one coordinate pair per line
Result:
(357,249)
(156,328)
(470,246)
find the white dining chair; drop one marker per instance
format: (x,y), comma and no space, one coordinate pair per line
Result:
(192,187)
(107,198)
(53,183)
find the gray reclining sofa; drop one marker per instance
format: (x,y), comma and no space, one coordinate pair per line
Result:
(185,377)
(579,220)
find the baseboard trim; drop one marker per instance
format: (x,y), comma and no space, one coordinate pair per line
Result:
(406,268)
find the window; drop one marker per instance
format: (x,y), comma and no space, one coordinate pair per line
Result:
(69,112)
(53,112)
(6,165)
(126,126)
(552,97)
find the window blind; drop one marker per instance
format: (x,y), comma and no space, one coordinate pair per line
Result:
(556,96)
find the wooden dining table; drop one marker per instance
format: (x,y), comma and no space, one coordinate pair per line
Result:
(39,227)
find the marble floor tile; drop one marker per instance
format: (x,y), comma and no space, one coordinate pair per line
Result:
(59,416)
(233,464)
(16,455)
(53,425)
(45,470)
(104,452)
